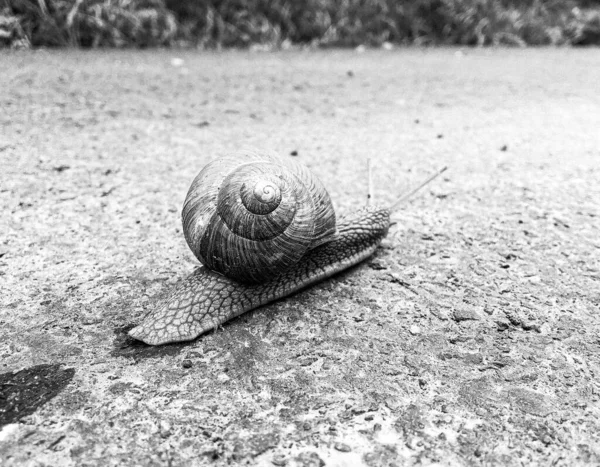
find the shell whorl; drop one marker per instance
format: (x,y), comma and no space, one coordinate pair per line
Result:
(251,216)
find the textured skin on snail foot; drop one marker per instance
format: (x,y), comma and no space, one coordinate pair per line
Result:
(205,299)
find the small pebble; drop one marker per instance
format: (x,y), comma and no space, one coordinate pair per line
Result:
(377,427)
(465,314)
(186,363)
(547,440)
(306,426)
(223,378)
(414,330)
(412,443)
(504,148)
(294,153)
(278,460)
(90,320)
(165,429)
(342,447)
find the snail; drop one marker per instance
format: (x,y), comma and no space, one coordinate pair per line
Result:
(263,227)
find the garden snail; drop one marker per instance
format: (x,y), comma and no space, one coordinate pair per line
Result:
(263,227)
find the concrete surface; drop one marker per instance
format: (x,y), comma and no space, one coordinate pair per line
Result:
(470,338)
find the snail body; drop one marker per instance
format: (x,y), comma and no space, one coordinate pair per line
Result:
(206,299)
(284,206)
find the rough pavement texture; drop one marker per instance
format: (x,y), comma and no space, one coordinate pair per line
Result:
(471,337)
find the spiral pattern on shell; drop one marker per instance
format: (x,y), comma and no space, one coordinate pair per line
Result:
(250,216)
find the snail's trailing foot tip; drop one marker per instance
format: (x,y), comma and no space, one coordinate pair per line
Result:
(190,310)
(139,334)
(168,334)
(126,345)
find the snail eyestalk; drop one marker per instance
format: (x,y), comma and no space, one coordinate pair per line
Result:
(406,196)
(369,182)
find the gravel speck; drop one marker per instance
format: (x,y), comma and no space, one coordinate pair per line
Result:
(342,447)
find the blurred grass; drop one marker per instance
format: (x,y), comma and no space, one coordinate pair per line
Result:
(282,23)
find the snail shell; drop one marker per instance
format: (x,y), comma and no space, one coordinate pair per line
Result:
(251,216)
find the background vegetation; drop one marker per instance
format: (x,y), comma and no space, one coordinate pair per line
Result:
(281,23)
